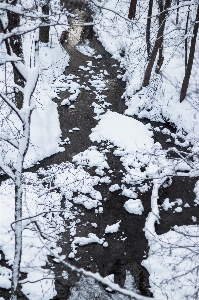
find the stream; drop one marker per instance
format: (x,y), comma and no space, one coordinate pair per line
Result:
(125,251)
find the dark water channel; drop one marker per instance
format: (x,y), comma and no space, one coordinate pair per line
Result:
(120,255)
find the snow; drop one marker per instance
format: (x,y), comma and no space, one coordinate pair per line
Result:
(104,179)
(5,283)
(171,262)
(160,100)
(5,274)
(100,210)
(172,258)
(194,219)
(45,130)
(144,188)
(124,132)
(85,49)
(196,191)
(65,274)
(46,203)
(179,201)
(134,206)
(99,84)
(92,238)
(166,204)
(110,278)
(32,243)
(113,228)
(169,253)
(114,187)
(129,192)
(89,288)
(75,129)
(86,201)
(91,157)
(116,34)
(182,166)
(43,287)
(66,83)
(178,209)
(82,241)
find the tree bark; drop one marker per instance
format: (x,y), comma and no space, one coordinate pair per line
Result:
(148,27)
(44,31)
(23,148)
(186,39)
(177,14)
(160,20)
(185,83)
(132,9)
(157,45)
(18,236)
(15,42)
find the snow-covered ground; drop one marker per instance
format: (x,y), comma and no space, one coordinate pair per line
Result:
(44,220)
(45,132)
(125,40)
(172,258)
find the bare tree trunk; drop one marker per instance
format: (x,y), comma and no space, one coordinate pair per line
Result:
(44,31)
(177,14)
(161,20)
(16,46)
(148,27)
(185,83)
(23,148)
(156,46)
(18,235)
(186,44)
(132,9)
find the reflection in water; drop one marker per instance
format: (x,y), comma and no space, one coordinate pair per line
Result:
(75,31)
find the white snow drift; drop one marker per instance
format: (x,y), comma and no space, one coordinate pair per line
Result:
(124,132)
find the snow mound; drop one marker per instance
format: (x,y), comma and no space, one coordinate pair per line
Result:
(134,206)
(82,241)
(5,275)
(43,288)
(124,132)
(5,283)
(86,201)
(39,202)
(172,264)
(114,187)
(112,228)
(92,158)
(92,238)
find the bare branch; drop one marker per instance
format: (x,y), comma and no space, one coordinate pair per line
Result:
(7,170)
(29,14)
(97,277)
(12,106)
(34,216)
(9,58)
(18,87)
(11,141)
(101,5)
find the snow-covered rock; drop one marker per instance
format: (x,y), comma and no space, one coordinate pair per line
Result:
(134,206)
